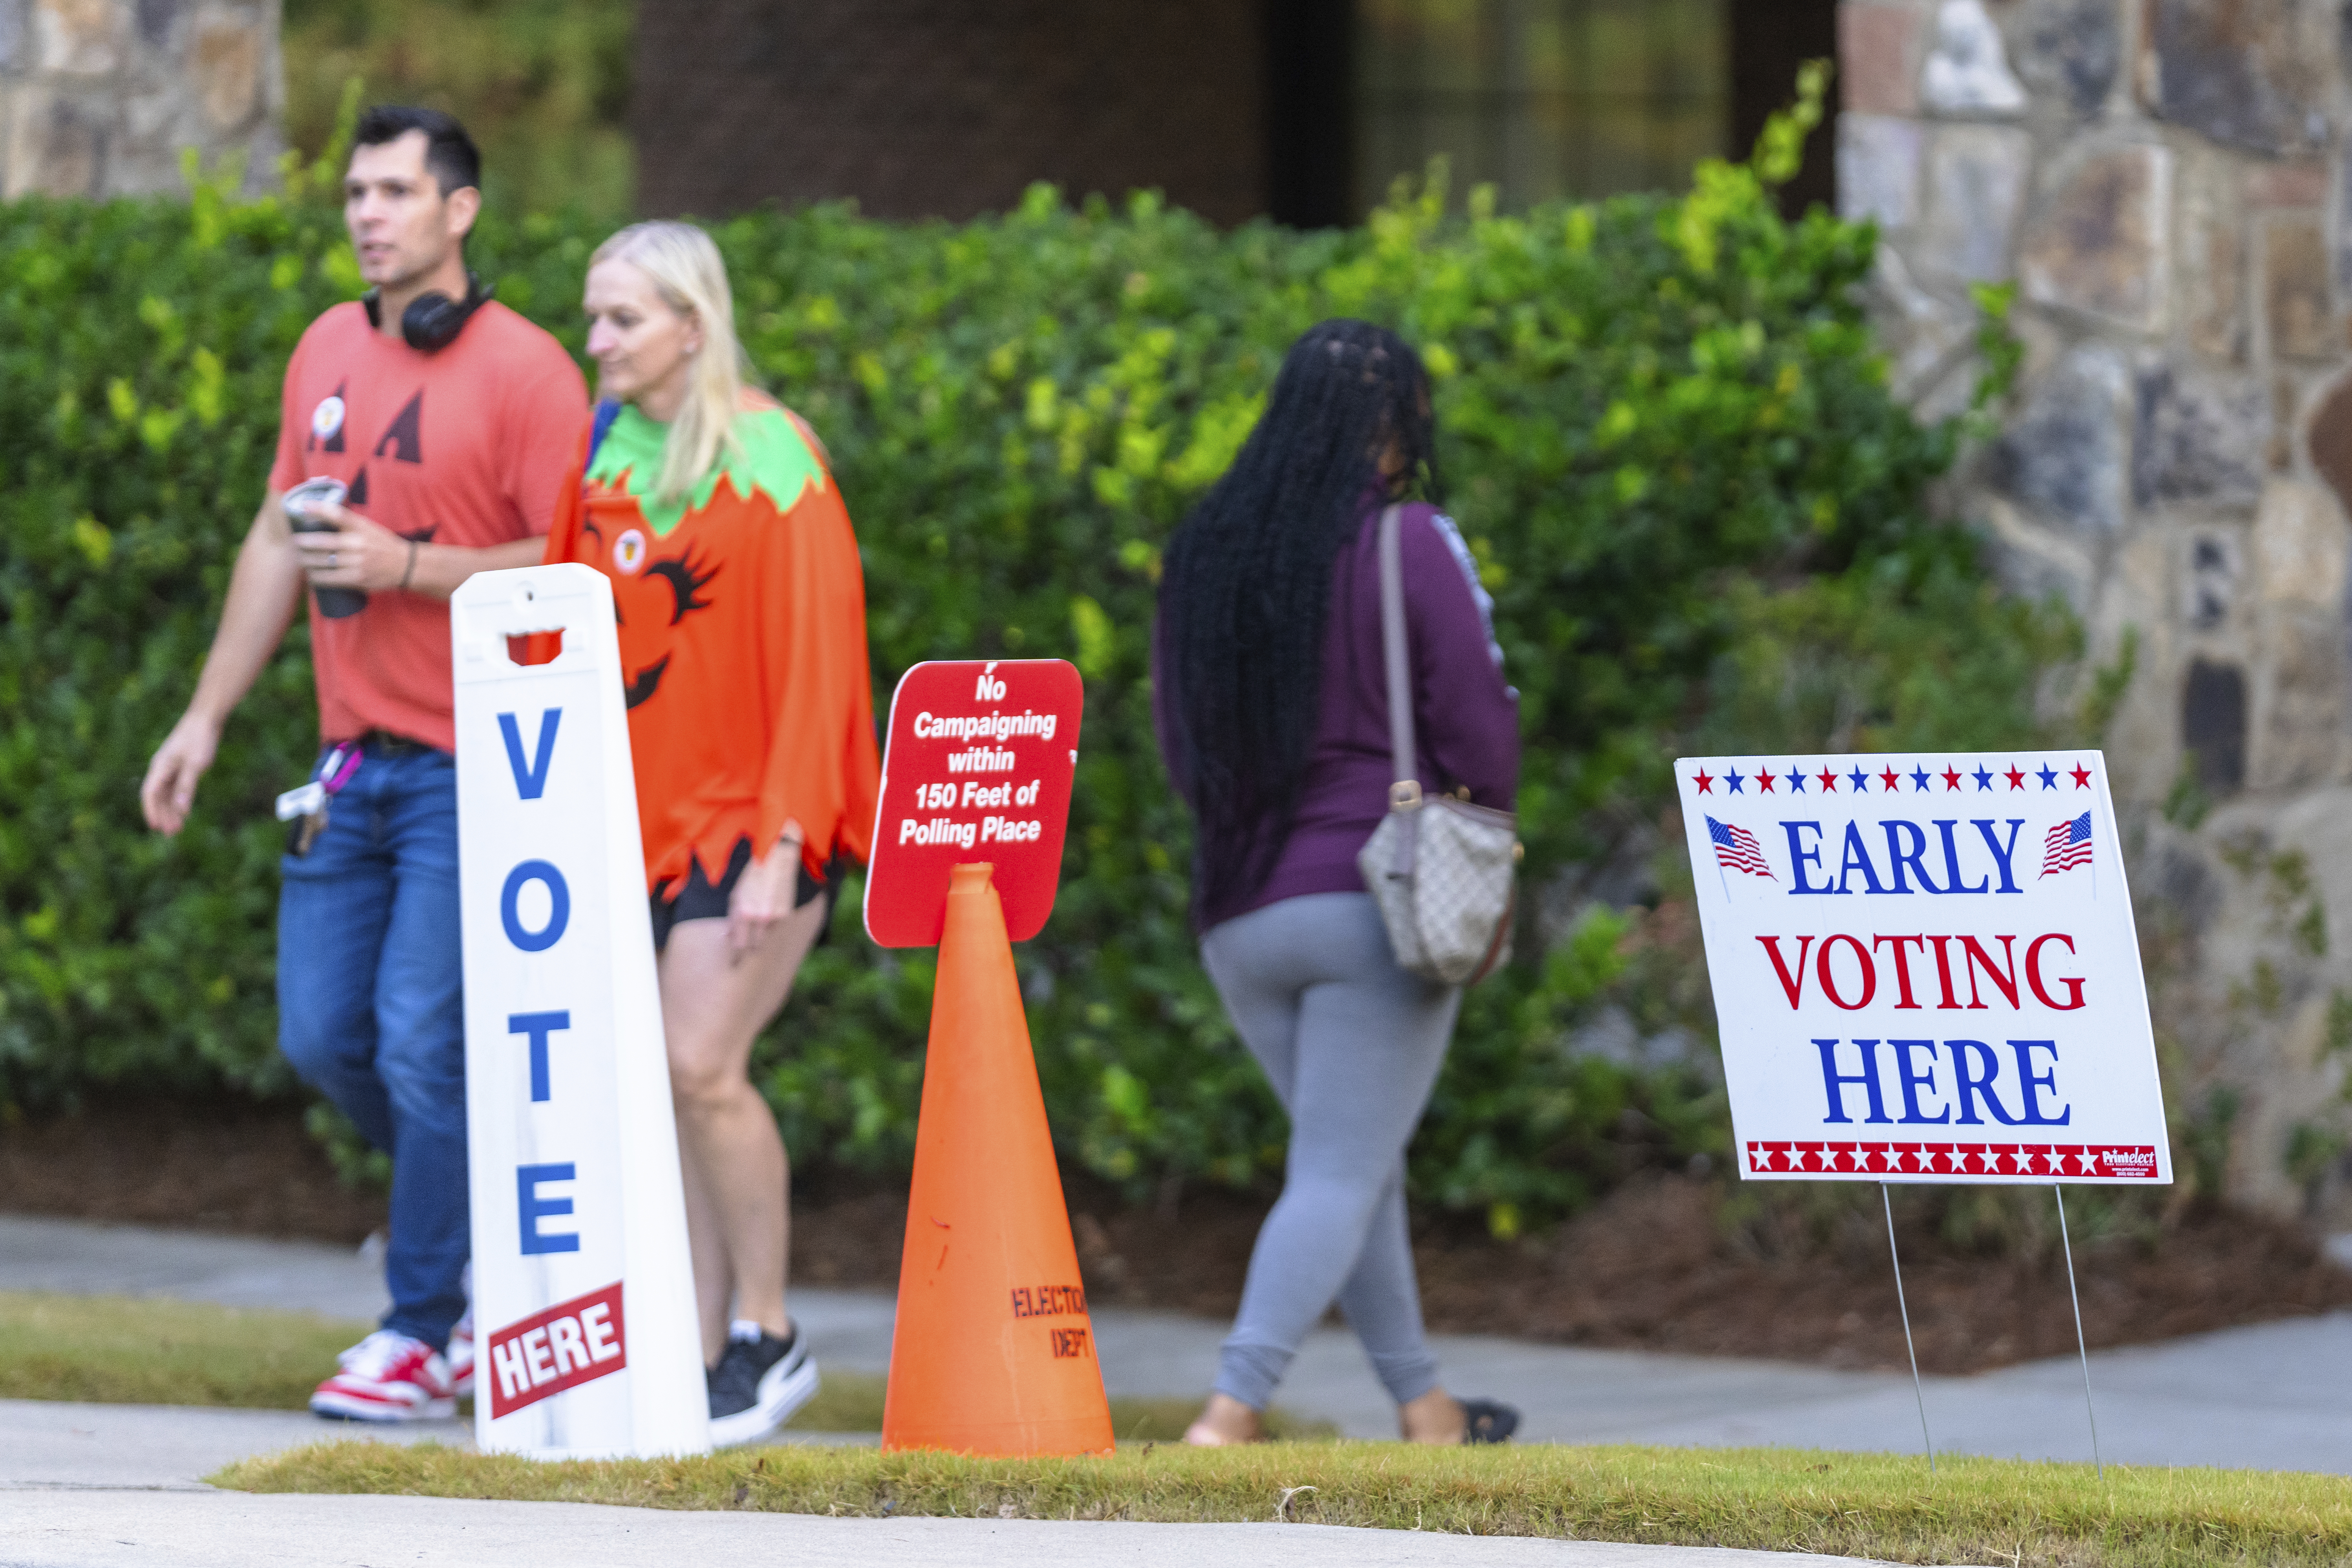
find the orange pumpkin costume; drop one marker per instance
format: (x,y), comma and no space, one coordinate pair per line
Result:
(742,629)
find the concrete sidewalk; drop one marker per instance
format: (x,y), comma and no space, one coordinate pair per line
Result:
(52,1444)
(225,1529)
(98,1485)
(2274,1396)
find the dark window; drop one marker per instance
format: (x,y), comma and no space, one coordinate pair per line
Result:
(1769,40)
(1309,122)
(2213,725)
(1542,99)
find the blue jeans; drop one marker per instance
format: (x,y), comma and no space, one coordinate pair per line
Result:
(371,1010)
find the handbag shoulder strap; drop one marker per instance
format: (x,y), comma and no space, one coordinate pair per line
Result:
(1405,792)
(607,412)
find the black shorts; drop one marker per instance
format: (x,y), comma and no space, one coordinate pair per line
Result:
(701,899)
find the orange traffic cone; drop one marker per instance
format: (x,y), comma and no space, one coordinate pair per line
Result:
(993,1352)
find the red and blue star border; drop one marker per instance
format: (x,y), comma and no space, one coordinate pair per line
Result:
(1858,781)
(2120,1162)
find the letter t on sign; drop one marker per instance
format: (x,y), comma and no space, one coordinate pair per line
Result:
(537,1025)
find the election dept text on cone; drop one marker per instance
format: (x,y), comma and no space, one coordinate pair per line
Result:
(993,1352)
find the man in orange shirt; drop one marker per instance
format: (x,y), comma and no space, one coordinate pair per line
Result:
(451,423)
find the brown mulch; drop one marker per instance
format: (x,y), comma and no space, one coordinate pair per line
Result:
(228,1165)
(1658,1266)
(1655,1268)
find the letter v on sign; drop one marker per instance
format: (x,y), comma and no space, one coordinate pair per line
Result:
(1794,984)
(531,782)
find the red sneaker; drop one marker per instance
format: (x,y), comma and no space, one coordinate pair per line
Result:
(387,1377)
(460,1356)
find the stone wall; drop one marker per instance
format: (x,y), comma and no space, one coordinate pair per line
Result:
(2167,183)
(98,97)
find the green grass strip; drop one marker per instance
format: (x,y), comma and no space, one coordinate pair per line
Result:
(1882,1505)
(114,1350)
(117,1350)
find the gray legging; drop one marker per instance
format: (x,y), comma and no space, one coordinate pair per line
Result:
(1352,1045)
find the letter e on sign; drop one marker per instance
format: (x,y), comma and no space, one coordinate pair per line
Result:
(979,766)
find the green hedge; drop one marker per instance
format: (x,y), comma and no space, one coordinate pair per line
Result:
(1670,443)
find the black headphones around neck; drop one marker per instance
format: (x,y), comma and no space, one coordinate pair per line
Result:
(433,320)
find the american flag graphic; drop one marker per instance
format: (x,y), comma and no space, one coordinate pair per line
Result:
(2068,846)
(1736,848)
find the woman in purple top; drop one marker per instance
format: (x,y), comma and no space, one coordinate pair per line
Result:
(1273,713)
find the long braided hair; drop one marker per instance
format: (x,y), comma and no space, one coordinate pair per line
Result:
(1246,588)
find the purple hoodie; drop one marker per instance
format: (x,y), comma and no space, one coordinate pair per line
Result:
(1465,720)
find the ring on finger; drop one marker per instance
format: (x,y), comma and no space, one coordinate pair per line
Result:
(331,561)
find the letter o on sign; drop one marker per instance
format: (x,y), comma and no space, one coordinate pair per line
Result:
(1829,980)
(559,914)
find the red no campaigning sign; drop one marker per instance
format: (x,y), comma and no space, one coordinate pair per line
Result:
(978,767)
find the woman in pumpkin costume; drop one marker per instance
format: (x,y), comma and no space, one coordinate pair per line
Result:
(742,629)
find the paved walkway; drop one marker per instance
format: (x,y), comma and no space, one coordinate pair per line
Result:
(107,1486)
(162,1448)
(2277,1397)
(225,1529)
(89,1484)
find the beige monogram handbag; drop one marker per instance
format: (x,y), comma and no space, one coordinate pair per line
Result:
(1442,869)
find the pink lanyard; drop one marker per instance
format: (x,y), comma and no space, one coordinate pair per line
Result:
(341,764)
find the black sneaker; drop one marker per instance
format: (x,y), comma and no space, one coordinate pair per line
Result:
(1488,1421)
(759,1382)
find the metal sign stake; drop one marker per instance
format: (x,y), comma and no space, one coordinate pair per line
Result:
(2081,1347)
(1905,1309)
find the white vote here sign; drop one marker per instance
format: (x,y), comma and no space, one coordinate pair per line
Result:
(584,1296)
(1924,968)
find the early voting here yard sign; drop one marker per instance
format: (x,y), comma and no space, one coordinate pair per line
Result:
(584,1296)
(1924,968)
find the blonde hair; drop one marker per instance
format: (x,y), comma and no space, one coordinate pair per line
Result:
(688,273)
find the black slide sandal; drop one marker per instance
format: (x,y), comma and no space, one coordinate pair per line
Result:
(1488,1421)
